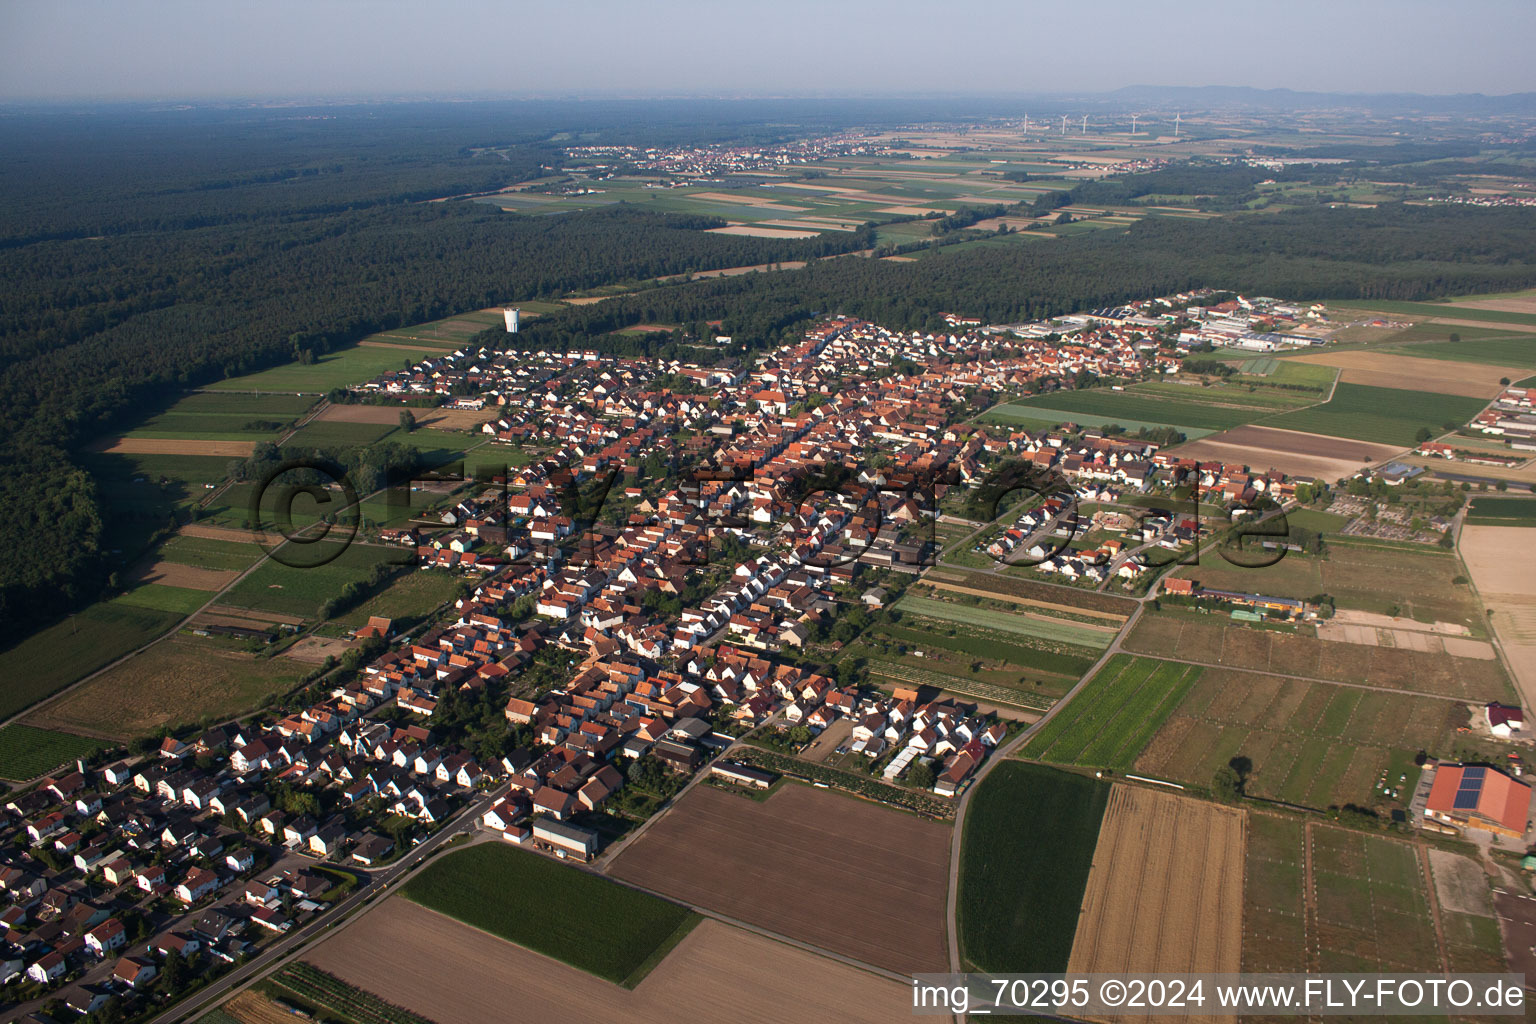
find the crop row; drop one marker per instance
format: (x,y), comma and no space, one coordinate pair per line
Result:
(332,993)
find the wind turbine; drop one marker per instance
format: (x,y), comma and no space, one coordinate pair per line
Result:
(1085,124)
(1063,124)
(1176,125)
(1026,124)
(1133,123)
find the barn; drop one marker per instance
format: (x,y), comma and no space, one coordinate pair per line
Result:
(1474,796)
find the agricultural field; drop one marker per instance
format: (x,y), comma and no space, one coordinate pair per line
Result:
(436,966)
(66,652)
(409,597)
(551,908)
(1404,369)
(840,873)
(1021,622)
(1491,348)
(162,597)
(1372,908)
(1211,639)
(209,552)
(179,681)
(26,753)
(956,671)
(1050,597)
(1296,453)
(317,989)
(1417,583)
(1275,915)
(300,591)
(1461,888)
(1502,562)
(1166,890)
(224,417)
(1485,511)
(1185,406)
(1111,719)
(332,370)
(1383,415)
(1464,311)
(1021,884)
(1311,744)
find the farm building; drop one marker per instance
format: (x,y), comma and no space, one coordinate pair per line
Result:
(1504,720)
(571,839)
(742,774)
(1474,796)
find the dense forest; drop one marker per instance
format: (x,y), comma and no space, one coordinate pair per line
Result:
(1391,252)
(148,250)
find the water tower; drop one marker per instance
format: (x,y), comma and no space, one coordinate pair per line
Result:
(512,316)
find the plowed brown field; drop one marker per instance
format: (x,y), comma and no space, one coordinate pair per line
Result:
(840,873)
(1166,890)
(454,974)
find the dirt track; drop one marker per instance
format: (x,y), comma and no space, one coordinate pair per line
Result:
(1166,890)
(453,974)
(840,873)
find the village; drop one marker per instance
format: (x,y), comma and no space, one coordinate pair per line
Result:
(652,601)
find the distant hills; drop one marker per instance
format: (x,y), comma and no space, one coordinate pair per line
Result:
(1208,97)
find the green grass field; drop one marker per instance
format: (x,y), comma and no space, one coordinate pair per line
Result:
(562,912)
(1106,406)
(1502,512)
(1384,415)
(1021,623)
(181,600)
(1111,720)
(219,417)
(206,553)
(336,369)
(1445,309)
(996,645)
(50,660)
(1029,838)
(26,753)
(293,590)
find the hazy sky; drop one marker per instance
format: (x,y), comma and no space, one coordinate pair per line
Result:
(166,49)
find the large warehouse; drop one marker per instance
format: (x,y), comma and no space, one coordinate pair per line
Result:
(1472,796)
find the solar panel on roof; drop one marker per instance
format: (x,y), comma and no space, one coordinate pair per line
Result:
(1466,800)
(1473,773)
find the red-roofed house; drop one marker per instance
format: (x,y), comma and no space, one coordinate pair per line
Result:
(1473,796)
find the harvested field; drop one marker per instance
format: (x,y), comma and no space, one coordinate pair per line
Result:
(176,574)
(1406,639)
(223,616)
(1503,326)
(1502,562)
(757,232)
(1510,304)
(251,1007)
(174,446)
(1165,893)
(844,874)
(1297,453)
(1395,370)
(455,974)
(910,211)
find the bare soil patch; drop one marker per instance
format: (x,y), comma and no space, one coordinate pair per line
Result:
(251,1007)
(226,615)
(1393,370)
(1295,452)
(1450,322)
(217,533)
(455,974)
(1460,883)
(1502,563)
(174,446)
(844,874)
(315,649)
(1166,890)
(1028,602)
(1515,304)
(757,232)
(192,577)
